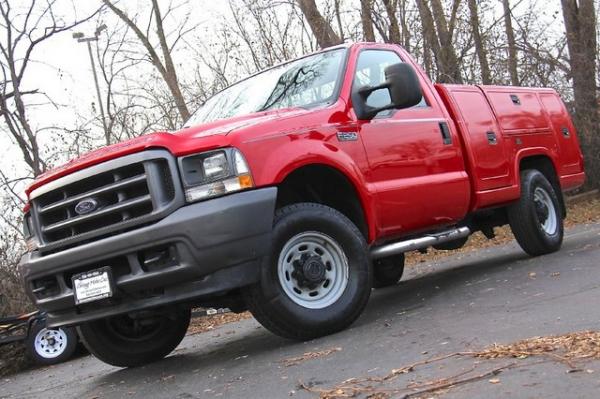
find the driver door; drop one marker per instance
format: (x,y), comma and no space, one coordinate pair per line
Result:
(416,166)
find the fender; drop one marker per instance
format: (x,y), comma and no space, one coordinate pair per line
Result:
(533,152)
(290,156)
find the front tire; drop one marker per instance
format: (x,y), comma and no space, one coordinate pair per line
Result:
(127,341)
(536,220)
(317,279)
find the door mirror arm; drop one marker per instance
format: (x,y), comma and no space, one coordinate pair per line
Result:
(363,109)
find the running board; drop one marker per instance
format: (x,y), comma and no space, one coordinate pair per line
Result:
(398,247)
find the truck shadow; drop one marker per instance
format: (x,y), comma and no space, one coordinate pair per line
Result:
(252,344)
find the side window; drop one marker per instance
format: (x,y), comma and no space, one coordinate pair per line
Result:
(370,71)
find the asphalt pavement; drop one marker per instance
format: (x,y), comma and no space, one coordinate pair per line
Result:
(463,303)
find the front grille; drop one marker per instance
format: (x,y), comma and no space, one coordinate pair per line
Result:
(119,194)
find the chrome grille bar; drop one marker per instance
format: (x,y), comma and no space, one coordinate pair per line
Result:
(120,206)
(102,190)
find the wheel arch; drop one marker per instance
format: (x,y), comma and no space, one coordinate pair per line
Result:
(545,164)
(330,185)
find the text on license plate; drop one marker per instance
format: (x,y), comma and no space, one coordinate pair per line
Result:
(92,285)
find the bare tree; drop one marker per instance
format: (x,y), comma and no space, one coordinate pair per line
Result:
(24,30)
(366,17)
(164,65)
(338,18)
(450,69)
(394,35)
(430,39)
(511,44)
(580,24)
(321,28)
(479,45)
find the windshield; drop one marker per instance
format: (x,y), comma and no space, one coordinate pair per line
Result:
(305,82)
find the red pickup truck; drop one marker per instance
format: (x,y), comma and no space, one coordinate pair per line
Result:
(292,193)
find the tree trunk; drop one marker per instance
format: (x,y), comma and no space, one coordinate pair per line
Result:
(366,9)
(479,46)
(394,31)
(580,24)
(512,47)
(338,17)
(451,71)
(430,40)
(170,72)
(405,31)
(324,33)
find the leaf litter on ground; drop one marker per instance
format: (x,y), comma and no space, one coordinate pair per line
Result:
(571,349)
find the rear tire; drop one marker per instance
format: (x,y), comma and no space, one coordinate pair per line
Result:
(388,271)
(317,279)
(536,220)
(124,341)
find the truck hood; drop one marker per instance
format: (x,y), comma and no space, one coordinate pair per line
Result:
(187,140)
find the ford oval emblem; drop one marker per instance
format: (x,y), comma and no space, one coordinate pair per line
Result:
(86,206)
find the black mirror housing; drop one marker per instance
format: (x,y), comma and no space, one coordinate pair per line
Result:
(404,88)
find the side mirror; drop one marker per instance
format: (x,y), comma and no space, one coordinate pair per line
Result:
(403,86)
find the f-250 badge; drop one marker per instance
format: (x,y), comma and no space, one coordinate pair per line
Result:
(347,136)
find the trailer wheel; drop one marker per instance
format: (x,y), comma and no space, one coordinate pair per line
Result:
(134,340)
(317,279)
(47,346)
(536,220)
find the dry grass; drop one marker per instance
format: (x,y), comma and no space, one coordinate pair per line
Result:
(567,348)
(12,358)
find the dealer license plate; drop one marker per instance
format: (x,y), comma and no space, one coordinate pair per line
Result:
(93,285)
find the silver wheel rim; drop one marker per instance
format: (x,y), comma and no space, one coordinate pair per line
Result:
(333,258)
(542,199)
(50,343)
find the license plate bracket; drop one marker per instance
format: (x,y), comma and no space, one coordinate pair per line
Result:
(93,285)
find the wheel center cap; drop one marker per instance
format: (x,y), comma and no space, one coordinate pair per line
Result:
(542,211)
(309,271)
(314,270)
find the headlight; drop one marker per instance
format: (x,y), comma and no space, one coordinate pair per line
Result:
(214,173)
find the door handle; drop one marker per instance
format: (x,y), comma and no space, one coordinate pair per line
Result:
(491,137)
(446,137)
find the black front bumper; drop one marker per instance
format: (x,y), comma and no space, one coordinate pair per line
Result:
(200,250)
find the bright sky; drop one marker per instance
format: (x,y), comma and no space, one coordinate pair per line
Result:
(62,69)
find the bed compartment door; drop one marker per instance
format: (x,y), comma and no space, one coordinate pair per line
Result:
(483,138)
(565,134)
